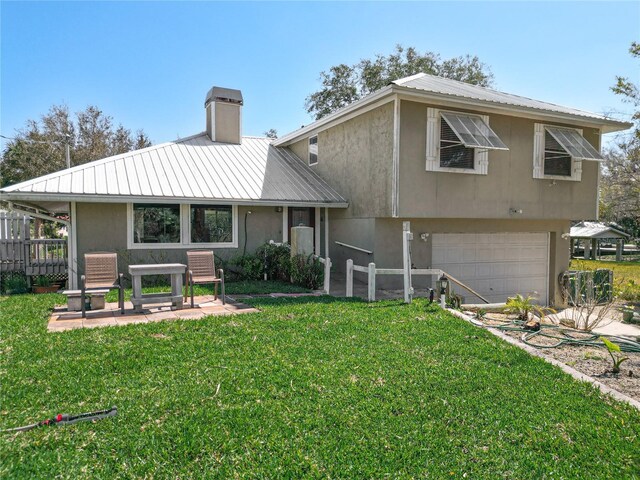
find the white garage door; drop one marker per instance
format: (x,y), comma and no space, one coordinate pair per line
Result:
(496,265)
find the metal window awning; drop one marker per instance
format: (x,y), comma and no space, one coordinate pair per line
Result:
(473,132)
(574,143)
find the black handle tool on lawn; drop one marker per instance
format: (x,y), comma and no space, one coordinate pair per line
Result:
(66,419)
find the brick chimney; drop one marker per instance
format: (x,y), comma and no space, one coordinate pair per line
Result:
(224,115)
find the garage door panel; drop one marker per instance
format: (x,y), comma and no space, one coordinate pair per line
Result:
(497,265)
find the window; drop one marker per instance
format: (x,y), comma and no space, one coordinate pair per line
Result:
(180,226)
(313,150)
(556,160)
(459,142)
(156,223)
(453,154)
(558,152)
(211,224)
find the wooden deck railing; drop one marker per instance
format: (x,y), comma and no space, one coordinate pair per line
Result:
(46,256)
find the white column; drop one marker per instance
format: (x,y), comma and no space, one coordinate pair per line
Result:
(326,232)
(349,291)
(285,224)
(72,253)
(316,249)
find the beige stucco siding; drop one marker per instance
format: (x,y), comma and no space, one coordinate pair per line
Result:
(103,227)
(509,183)
(356,158)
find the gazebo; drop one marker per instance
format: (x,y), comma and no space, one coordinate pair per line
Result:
(592,232)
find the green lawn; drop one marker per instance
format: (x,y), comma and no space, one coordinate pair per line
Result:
(307,388)
(626,275)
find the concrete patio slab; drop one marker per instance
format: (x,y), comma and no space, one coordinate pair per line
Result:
(62,320)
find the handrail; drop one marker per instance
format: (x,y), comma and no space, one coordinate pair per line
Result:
(368,252)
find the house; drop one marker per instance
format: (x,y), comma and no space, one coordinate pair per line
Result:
(490,182)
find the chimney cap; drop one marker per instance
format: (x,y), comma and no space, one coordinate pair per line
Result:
(220,94)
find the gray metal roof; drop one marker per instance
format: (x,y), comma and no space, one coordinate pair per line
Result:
(455,88)
(193,168)
(224,94)
(448,90)
(597,230)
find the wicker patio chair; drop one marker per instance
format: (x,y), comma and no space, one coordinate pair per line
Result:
(101,273)
(202,269)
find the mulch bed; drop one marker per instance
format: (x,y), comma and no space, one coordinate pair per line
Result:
(590,360)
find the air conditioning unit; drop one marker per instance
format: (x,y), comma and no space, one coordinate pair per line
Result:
(580,287)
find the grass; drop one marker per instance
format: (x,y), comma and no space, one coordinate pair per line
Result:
(307,388)
(245,287)
(626,275)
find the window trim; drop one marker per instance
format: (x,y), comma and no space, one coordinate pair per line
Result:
(539,147)
(434,125)
(185,229)
(310,152)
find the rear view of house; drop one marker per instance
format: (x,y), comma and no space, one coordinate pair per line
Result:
(490,182)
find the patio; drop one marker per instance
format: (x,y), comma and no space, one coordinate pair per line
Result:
(61,319)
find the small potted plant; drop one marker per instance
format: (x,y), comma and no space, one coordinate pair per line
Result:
(44,285)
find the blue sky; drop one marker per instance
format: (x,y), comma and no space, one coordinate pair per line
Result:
(150,64)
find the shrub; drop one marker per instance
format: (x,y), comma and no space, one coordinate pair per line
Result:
(276,260)
(15,283)
(250,267)
(307,271)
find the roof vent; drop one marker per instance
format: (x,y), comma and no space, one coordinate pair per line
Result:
(224,115)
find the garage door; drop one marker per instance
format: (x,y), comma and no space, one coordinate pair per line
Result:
(496,265)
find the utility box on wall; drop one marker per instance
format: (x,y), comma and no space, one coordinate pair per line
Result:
(301,241)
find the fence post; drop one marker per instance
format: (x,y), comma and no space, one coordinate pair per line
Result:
(327,275)
(407,236)
(372,283)
(349,292)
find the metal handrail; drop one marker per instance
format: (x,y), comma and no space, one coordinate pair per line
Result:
(368,252)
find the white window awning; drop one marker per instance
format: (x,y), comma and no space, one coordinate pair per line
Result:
(473,132)
(574,143)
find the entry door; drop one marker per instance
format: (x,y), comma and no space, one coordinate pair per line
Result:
(301,216)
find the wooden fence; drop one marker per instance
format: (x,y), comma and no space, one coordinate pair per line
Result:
(20,253)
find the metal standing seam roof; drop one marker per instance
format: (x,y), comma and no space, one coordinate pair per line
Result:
(455,88)
(451,90)
(193,168)
(597,230)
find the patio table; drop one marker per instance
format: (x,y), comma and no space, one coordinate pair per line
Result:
(175,270)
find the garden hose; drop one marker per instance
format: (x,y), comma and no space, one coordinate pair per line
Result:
(565,336)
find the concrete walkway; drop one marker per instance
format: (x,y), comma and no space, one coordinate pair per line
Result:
(611,323)
(61,319)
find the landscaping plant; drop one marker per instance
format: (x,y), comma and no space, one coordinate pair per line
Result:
(307,271)
(15,283)
(616,354)
(276,260)
(588,309)
(523,307)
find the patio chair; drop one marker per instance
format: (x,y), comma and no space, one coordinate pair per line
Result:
(101,273)
(201,268)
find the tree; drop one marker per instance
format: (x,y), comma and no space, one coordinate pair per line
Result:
(271,133)
(40,147)
(620,186)
(343,84)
